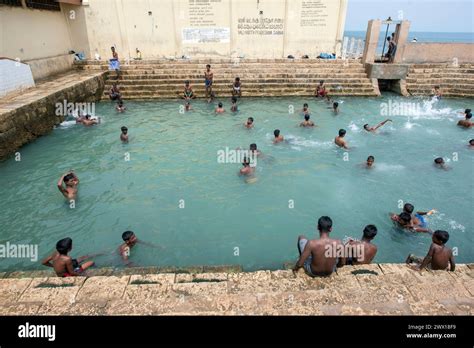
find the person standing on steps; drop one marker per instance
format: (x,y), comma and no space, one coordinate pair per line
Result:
(114,63)
(208,77)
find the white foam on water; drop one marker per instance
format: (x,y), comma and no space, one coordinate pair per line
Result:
(293,140)
(388,167)
(456,226)
(353,127)
(432,131)
(67,124)
(296,148)
(428,111)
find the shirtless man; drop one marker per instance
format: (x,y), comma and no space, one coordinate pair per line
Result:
(114,92)
(237,87)
(417,220)
(124,134)
(254,151)
(63,264)
(208,77)
(307,122)
(466,123)
(87,121)
(405,221)
(188,91)
(71,181)
(249,123)
(321,90)
(374,129)
(313,252)
(370,231)
(278,137)
(220,109)
(340,141)
(439,257)
(247,169)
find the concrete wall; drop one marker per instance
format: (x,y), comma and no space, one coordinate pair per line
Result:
(14,76)
(30,34)
(42,68)
(438,53)
(217,28)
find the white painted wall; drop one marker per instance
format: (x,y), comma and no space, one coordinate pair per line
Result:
(14,76)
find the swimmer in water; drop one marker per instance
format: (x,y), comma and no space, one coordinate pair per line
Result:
(471,144)
(278,137)
(374,129)
(63,264)
(234,107)
(370,162)
(404,220)
(418,220)
(439,257)
(436,92)
(87,121)
(124,134)
(254,151)
(439,163)
(307,122)
(466,123)
(70,181)
(320,90)
(249,123)
(120,107)
(305,109)
(335,107)
(247,169)
(187,106)
(340,141)
(130,240)
(220,109)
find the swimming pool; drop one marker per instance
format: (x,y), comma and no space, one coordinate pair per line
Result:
(173,160)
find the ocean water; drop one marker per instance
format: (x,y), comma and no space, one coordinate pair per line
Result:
(226,219)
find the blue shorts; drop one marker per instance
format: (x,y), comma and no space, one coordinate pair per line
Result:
(423,222)
(114,64)
(208,83)
(307,264)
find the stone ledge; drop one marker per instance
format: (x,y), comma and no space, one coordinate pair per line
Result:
(376,289)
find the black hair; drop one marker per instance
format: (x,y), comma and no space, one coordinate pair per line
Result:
(408,207)
(342,132)
(366,126)
(321,81)
(439,160)
(335,105)
(237,78)
(246,161)
(234,99)
(306,117)
(208,65)
(467,111)
(253,146)
(251,119)
(324,224)
(388,38)
(124,129)
(405,217)
(64,246)
(276,132)
(127,235)
(468,116)
(112,48)
(442,236)
(471,141)
(305,105)
(68,177)
(186,82)
(371,158)
(436,87)
(370,231)
(219,105)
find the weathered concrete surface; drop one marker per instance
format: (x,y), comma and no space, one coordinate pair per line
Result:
(387,71)
(32,113)
(378,289)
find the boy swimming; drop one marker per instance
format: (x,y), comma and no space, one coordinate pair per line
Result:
(88,121)
(466,123)
(249,123)
(63,264)
(307,122)
(124,135)
(340,141)
(187,106)
(220,109)
(335,107)
(374,129)
(236,87)
(439,256)
(130,240)
(418,219)
(370,162)
(120,107)
(471,143)
(305,109)
(436,92)
(234,107)
(278,137)
(247,169)
(70,181)
(439,163)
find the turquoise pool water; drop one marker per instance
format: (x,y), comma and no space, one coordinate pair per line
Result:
(173,157)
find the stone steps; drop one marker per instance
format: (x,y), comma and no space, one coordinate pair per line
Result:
(377,289)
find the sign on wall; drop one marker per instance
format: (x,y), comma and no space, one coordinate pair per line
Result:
(205,35)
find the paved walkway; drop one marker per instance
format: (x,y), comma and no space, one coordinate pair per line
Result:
(378,289)
(44,89)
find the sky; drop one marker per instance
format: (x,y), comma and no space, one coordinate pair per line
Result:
(424,15)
